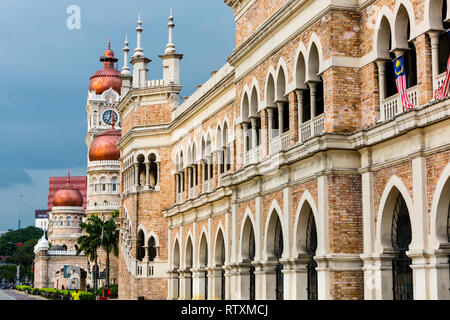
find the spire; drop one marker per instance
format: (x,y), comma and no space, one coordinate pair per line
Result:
(170,48)
(109,43)
(126,49)
(68,177)
(138,52)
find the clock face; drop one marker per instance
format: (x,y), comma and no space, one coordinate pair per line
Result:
(108,116)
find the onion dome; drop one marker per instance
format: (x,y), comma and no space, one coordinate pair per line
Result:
(104,146)
(108,76)
(68,196)
(42,244)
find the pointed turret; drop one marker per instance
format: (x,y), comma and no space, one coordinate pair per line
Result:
(139,61)
(170,58)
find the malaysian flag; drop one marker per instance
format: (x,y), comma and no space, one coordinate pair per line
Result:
(400,80)
(441,92)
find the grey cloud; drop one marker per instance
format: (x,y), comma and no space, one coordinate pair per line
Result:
(10,177)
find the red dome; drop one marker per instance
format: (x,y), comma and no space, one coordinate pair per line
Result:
(69,196)
(108,76)
(104,146)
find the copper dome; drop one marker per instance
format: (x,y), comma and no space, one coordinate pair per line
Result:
(108,76)
(104,146)
(68,196)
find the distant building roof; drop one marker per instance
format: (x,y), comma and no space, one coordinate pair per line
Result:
(57,183)
(41,214)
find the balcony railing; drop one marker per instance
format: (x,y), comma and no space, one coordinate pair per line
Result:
(392,106)
(284,139)
(439,80)
(253,155)
(180,197)
(207,186)
(312,128)
(141,269)
(275,145)
(193,192)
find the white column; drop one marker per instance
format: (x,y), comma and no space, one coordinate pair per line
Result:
(254,133)
(419,223)
(280,117)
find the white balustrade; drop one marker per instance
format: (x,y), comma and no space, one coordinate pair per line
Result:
(275,145)
(207,186)
(193,192)
(318,124)
(305,130)
(439,80)
(285,141)
(64,253)
(392,106)
(180,197)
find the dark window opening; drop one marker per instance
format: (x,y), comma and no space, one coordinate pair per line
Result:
(285,116)
(319,98)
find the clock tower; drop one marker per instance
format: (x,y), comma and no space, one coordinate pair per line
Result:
(103,165)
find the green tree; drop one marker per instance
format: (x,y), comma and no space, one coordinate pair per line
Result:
(110,240)
(90,242)
(9,240)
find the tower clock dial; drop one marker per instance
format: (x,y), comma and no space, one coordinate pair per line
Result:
(108,116)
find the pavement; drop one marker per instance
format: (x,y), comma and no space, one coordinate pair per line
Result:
(17,295)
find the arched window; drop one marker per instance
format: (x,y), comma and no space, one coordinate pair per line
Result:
(152,249)
(141,170)
(401,264)
(114,184)
(61,222)
(140,250)
(154,179)
(278,252)
(311,247)
(103,184)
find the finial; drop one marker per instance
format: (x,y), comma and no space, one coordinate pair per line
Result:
(125,68)
(109,43)
(68,177)
(170,48)
(138,52)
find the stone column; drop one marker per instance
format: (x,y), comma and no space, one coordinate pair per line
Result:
(299,93)
(200,176)
(381,64)
(313,87)
(243,280)
(280,117)
(215,171)
(268,281)
(136,174)
(147,175)
(186,183)
(244,129)
(157,178)
(254,141)
(293,118)
(434,39)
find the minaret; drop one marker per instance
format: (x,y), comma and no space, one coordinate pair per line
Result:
(170,58)
(139,61)
(125,75)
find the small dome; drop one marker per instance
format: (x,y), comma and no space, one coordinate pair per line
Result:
(68,196)
(41,245)
(108,76)
(104,146)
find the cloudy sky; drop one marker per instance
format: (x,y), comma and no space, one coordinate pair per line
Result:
(44,79)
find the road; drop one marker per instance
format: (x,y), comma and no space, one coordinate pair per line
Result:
(15,295)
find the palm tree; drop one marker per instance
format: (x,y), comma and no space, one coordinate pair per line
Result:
(91,241)
(110,240)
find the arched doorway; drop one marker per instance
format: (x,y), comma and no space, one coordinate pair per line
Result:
(188,271)
(248,282)
(278,252)
(401,236)
(311,247)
